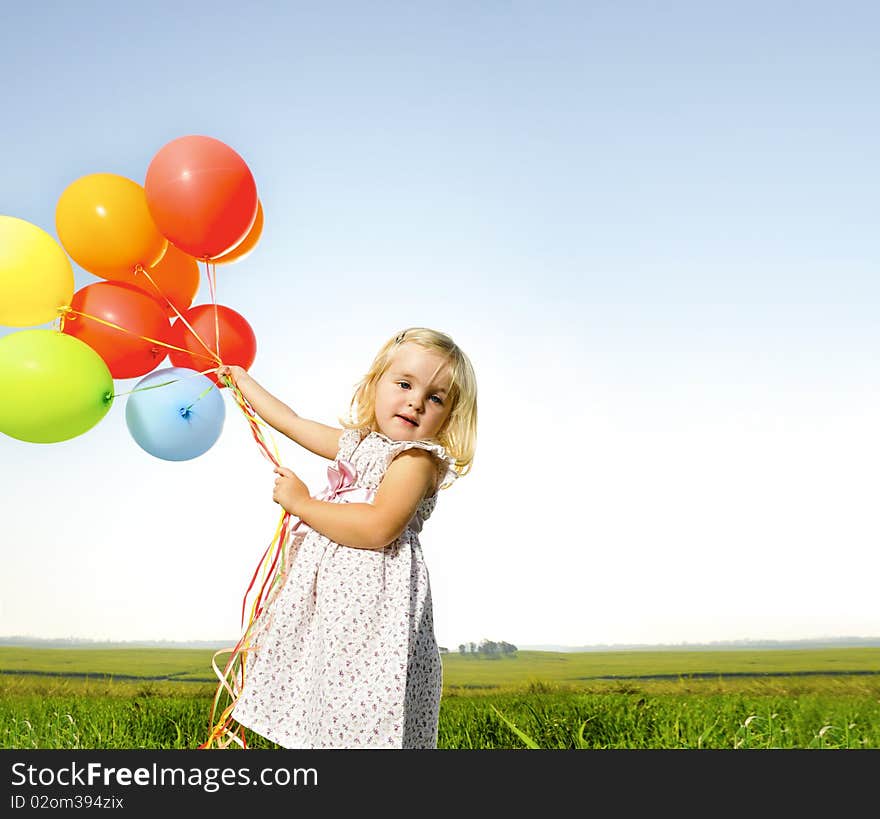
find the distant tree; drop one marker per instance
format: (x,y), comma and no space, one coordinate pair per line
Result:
(489,647)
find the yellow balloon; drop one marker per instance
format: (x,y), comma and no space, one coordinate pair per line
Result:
(36,277)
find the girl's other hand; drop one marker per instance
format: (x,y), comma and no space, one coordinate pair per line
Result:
(289,490)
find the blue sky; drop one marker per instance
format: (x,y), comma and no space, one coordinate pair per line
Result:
(651,226)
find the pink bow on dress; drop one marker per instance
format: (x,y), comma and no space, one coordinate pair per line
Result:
(341,476)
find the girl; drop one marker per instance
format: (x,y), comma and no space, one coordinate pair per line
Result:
(345,656)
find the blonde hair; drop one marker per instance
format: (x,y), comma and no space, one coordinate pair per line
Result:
(458,435)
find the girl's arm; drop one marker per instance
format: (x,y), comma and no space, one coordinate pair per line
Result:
(318,438)
(367,525)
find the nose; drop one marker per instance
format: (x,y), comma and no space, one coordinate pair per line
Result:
(416,402)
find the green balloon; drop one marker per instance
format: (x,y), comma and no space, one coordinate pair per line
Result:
(53,386)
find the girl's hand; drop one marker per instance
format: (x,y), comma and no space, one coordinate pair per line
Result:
(290,491)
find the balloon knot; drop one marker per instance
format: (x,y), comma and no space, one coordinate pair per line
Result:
(108,397)
(184,412)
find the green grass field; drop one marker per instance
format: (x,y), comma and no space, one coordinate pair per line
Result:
(160,698)
(470,671)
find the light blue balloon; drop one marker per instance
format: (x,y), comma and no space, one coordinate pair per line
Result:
(175,421)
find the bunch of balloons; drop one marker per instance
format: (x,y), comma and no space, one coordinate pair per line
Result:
(198,203)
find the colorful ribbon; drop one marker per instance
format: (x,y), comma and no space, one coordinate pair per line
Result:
(341,477)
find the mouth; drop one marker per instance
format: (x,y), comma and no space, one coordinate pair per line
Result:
(409,421)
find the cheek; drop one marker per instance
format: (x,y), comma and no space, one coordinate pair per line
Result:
(441,417)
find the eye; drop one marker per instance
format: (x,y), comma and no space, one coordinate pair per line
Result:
(404,385)
(437,400)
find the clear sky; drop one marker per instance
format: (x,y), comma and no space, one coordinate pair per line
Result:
(652,226)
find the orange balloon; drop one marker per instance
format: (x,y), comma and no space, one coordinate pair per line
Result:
(176,278)
(202,195)
(104,223)
(249,242)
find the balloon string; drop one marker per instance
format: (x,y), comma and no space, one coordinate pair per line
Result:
(254,422)
(155,341)
(211,353)
(200,396)
(212,280)
(272,565)
(172,381)
(67,310)
(271,570)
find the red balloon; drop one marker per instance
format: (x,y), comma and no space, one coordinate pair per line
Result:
(201,195)
(238,344)
(132,351)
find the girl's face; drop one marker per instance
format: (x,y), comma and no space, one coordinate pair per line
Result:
(412,396)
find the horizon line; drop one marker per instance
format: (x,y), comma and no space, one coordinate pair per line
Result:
(25,640)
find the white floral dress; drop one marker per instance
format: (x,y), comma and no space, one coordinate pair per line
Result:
(345,655)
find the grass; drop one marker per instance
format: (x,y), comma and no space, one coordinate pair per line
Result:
(470,671)
(816,713)
(535,700)
(577,668)
(806,711)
